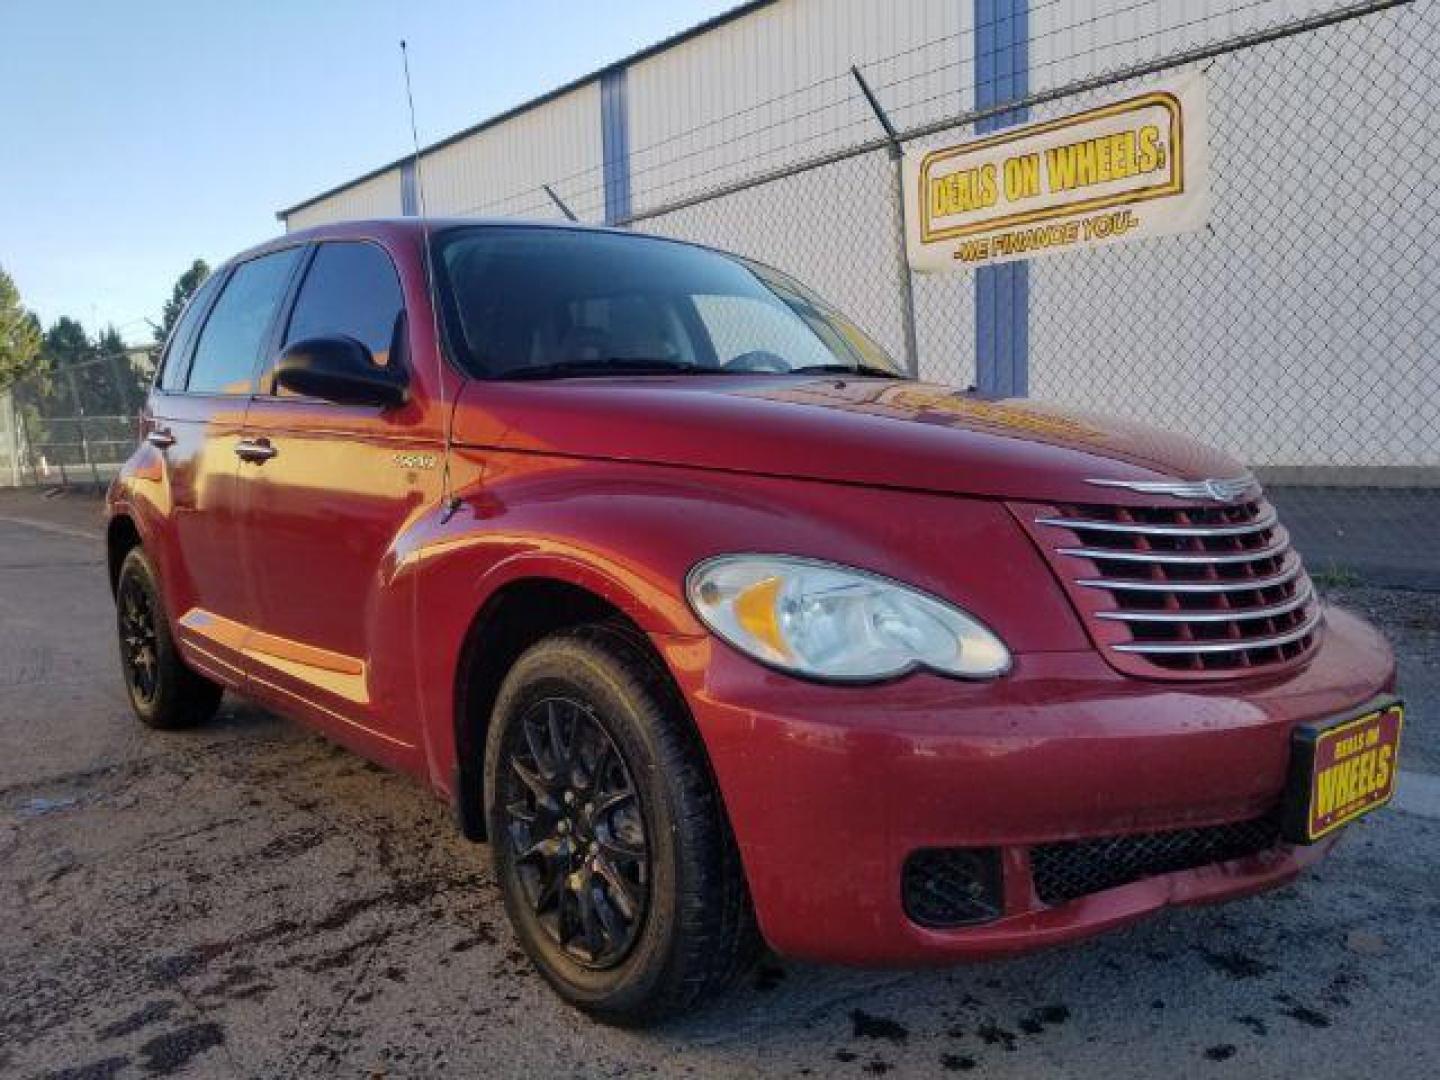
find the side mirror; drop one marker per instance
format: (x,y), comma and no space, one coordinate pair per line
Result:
(338,369)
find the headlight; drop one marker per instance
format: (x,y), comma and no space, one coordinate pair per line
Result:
(830,622)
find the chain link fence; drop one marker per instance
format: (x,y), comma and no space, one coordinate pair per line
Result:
(73,426)
(1298,331)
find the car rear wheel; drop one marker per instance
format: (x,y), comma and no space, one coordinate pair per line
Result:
(163,691)
(611,845)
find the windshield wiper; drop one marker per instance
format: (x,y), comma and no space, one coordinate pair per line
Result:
(615,365)
(846,369)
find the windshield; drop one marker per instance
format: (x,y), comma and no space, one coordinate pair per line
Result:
(523,302)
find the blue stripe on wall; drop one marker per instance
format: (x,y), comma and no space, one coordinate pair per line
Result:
(1002,293)
(615,144)
(409,194)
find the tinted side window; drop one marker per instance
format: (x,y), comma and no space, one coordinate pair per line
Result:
(182,336)
(229,347)
(350,289)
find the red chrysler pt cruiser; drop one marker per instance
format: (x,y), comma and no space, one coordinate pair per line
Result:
(718,627)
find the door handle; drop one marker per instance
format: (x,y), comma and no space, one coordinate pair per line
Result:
(161,438)
(256,451)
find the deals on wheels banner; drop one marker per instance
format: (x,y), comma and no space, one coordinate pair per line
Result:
(1127,170)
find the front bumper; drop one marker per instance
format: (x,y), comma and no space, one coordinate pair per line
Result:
(829,789)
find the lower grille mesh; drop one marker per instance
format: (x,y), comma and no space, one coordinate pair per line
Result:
(1070,870)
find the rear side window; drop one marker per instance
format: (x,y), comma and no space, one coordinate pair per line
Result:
(350,289)
(229,348)
(182,337)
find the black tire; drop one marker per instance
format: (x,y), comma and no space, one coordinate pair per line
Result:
(163,691)
(694,932)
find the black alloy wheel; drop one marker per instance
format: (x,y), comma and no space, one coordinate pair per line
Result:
(139,646)
(612,849)
(163,690)
(576,831)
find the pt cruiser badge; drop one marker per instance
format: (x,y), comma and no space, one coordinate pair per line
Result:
(415,461)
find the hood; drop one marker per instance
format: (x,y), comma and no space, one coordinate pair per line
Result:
(875,432)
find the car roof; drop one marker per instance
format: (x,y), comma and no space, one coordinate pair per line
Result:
(407,228)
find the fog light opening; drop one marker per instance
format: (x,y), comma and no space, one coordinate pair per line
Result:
(943,888)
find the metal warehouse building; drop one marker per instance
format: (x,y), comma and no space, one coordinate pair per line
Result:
(1298,329)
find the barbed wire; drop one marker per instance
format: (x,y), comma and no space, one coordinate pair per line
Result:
(848,97)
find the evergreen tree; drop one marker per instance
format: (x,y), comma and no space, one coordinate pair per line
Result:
(19,335)
(120,383)
(184,288)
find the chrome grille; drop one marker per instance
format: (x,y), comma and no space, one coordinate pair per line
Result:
(1187,590)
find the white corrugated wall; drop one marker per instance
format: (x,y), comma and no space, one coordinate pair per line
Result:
(758,93)
(498,171)
(774,86)
(1287,331)
(1219,348)
(377,197)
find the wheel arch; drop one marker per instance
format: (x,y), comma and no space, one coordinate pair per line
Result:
(121,537)
(517,615)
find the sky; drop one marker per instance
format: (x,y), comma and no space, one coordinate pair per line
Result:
(142,134)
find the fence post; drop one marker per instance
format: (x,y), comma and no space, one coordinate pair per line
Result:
(29,446)
(80,427)
(8,421)
(117,373)
(559,203)
(907,283)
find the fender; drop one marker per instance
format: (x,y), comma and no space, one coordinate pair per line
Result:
(132,495)
(504,533)
(629,533)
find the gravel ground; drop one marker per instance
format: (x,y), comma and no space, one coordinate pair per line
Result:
(248,900)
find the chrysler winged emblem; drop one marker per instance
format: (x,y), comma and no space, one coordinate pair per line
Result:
(1227,490)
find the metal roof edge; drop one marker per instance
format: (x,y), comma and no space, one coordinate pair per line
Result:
(663,45)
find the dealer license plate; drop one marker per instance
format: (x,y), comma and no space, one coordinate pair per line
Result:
(1341,769)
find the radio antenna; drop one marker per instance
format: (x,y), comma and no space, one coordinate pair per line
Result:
(448,502)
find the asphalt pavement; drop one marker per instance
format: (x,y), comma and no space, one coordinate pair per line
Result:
(248,900)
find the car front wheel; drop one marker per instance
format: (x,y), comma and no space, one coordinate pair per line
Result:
(611,845)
